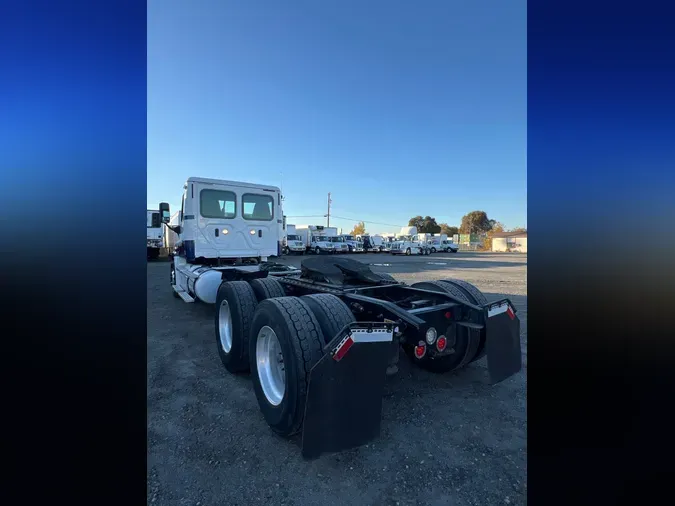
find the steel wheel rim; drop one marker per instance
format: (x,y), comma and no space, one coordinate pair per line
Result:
(270,364)
(225,326)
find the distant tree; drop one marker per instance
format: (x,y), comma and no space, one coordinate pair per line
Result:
(518,229)
(426,225)
(448,230)
(475,222)
(416,221)
(497,227)
(359,229)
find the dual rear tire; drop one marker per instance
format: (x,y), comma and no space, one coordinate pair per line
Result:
(467,345)
(279,339)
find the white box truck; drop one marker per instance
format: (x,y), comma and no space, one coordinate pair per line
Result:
(293,242)
(316,239)
(155,234)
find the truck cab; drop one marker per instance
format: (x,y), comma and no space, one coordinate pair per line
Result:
(293,242)
(227,220)
(353,245)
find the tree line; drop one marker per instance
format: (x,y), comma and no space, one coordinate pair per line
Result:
(475,222)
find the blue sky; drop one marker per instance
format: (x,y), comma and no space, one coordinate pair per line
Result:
(397,108)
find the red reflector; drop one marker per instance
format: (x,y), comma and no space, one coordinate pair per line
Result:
(510,312)
(420,351)
(441,343)
(448,315)
(343,349)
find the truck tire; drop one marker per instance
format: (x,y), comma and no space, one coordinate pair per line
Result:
(476,297)
(433,250)
(407,252)
(267,288)
(317,251)
(286,342)
(331,313)
(285,250)
(235,306)
(466,341)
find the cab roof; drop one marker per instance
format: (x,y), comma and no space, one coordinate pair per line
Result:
(224,182)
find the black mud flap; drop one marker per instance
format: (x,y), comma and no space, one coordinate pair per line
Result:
(344,396)
(503,340)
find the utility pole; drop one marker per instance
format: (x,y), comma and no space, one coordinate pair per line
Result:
(328,215)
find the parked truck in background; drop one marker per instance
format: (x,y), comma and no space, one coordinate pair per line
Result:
(155,234)
(293,241)
(442,243)
(316,239)
(352,243)
(408,243)
(376,242)
(341,245)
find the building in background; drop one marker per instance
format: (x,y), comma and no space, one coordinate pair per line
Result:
(509,241)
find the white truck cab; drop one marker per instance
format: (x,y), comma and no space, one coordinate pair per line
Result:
(341,245)
(408,243)
(293,242)
(353,245)
(228,220)
(221,224)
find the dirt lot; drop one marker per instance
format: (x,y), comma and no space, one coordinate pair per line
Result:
(446,440)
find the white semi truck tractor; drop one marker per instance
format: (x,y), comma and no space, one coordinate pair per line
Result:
(223,227)
(407,243)
(319,341)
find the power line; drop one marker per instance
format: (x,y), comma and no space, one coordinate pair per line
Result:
(347,219)
(366,221)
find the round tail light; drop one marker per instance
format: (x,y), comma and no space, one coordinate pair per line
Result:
(441,343)
(420,351)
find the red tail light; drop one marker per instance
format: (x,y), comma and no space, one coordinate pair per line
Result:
(441,343)
(420,351)
(448,315)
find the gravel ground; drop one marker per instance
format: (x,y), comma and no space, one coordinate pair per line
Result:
(446,439)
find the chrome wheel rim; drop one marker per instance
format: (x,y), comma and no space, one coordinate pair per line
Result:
(270,364)
(225,326)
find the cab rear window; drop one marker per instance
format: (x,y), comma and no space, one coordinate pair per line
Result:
(217,204)
(257,207)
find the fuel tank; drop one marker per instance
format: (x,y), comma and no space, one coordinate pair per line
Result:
(202,282)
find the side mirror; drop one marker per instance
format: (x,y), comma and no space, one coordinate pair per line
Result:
(164,212)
